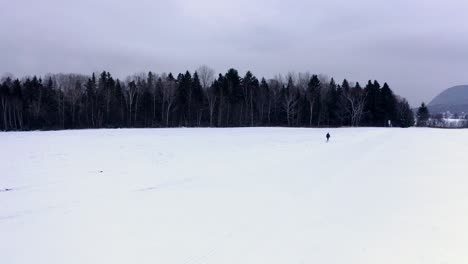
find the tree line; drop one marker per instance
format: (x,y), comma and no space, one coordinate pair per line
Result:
(73,101)
(439,120)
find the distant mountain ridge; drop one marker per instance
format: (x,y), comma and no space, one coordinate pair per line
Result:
(454,99)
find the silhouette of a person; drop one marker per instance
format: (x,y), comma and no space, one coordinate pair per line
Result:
(328,136)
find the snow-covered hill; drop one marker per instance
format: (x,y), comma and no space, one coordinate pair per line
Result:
(454,99)
(260,195)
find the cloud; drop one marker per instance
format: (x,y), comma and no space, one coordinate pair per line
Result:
(416,46)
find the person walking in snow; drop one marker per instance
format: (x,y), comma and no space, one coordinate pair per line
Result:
(328,136)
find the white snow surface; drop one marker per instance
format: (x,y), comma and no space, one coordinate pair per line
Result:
(243,195)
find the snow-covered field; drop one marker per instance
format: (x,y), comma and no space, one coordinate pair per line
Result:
(260,195)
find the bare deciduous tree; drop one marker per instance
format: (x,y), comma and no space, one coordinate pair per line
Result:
(206,75)
(130,94)
(290,98)
(355,105)
(289,104)
(211,98)
(169,96)
(72,95)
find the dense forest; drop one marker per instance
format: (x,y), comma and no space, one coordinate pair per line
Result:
(71,101)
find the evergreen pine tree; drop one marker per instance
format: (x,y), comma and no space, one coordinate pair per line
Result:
(405,116)
(197,100)
(313,97)
(388,104)
(332,104)
(4,104)
(422,115)
(373,110)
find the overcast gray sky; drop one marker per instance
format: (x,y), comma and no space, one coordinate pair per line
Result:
(418,47)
